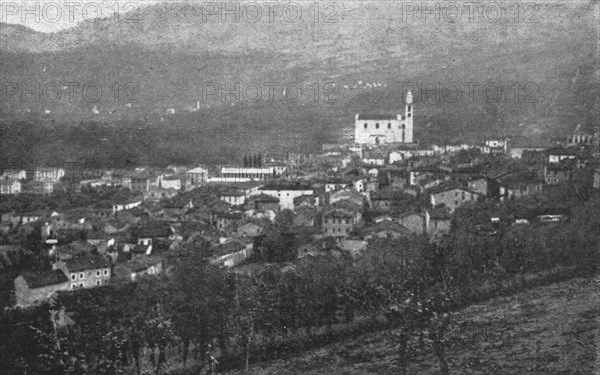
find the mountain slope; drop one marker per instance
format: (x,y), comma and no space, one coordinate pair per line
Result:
(547,70)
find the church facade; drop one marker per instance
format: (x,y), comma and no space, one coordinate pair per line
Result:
(386,128)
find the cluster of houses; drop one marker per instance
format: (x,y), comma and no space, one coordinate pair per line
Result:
(38,181)
(348,194)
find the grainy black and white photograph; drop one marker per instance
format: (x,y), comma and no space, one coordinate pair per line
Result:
(352,187)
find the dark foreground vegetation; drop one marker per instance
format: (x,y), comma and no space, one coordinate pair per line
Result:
(408,287)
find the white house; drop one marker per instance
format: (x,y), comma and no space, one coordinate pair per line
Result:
(14,175)
(286,195)
(10,187)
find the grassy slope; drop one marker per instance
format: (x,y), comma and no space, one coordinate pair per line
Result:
(546,330)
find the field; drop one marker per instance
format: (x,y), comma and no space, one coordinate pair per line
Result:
(546,330)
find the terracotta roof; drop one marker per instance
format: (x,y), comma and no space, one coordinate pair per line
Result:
(37,279)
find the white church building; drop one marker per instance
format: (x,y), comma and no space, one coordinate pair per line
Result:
(386,128)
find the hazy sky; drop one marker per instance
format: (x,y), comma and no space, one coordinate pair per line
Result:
(54,15)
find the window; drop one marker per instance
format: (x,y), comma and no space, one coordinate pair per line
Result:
(409,115)
(409,108)
(81,285)
(98,282)
(389,125)
(366,125)
(97,273)
(73,277)
(105,272)
(81,275)
(73,286)
(377,126)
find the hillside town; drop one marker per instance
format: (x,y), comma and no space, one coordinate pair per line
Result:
(119,225)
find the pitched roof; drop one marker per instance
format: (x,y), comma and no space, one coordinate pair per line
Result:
(338,213)
(86,262)
(452,185)
(439,214)
(37,279)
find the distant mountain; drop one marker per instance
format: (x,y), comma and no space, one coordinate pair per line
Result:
(167,56)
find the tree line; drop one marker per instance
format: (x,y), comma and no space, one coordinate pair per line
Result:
(408,284)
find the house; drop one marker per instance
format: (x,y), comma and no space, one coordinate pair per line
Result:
(38,286)
(383,200)
(415,222)
(150,232)
(237,173)
(558,154)
(196,177)
(556,173)
(333,184)
(397,178)
(85,271)
(232,253)
(138,181)
(478,185)
(224,220)
(580,138)
(135,268)
(385,229)
(233,197)
(374,157)
(38,187)
(263,202)
(496,146)
(53,175)
(395,156)
(305,201)
(10,187)
(170,182)
(517,186)
(126,205)
(451,196)
(305,216)
(286,193)
(13,175)
(347,194)
(157,193)
(338,222)
(250,230)
(439,223)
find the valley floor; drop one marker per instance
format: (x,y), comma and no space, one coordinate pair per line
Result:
(547,330)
